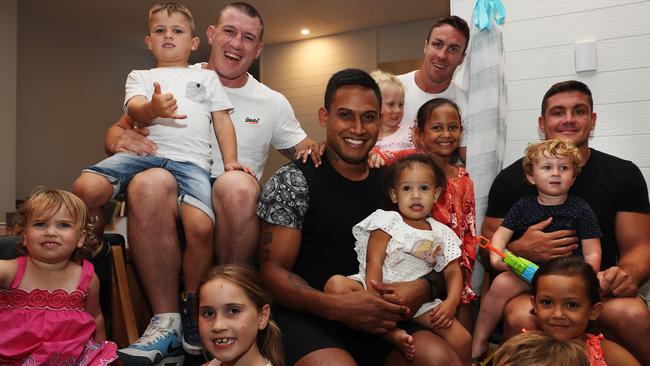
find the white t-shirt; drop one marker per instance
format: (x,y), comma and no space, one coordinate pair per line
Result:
(198,93)
(414,97)
(262,117)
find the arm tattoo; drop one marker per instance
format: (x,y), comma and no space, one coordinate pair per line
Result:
(265,254)
(267,237)
(289,153)
(298,283)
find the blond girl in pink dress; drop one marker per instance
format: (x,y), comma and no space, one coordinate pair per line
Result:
(49,298)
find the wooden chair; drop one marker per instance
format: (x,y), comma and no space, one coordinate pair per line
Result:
(121,301)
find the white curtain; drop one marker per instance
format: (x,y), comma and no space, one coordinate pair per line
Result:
(483,79)
(486,92)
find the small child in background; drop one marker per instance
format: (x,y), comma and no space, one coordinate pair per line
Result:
(565,297)
(405,245)
(551,166)
(538,349)
(179,105)
(391,137)
(49,299)
(234,319)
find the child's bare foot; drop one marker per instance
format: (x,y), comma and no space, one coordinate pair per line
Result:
(403,341)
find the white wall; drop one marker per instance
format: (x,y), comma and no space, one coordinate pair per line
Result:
(300,70)
(63,113)
(539,38)
(9,31)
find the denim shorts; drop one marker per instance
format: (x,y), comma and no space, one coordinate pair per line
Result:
(193,182)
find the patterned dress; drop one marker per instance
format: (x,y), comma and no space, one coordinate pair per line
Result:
(456,209)
(53,328)
(594,350)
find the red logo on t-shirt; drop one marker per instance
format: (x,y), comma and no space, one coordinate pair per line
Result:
(252,121)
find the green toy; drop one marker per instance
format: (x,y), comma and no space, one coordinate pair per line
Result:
(522,267)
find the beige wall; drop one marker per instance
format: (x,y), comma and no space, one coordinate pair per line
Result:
(8,29)
(70,90)
(300,70)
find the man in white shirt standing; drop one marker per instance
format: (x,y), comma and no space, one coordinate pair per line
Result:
(444,51)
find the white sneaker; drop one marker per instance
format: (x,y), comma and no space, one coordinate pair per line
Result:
(161,344)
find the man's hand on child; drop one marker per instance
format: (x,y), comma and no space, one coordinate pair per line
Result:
(410,294)
(135,141)
(538,246)
(375,160)
(314,150)
(238,166)
(367,312)
(164,104)
(442,316)
(614,281)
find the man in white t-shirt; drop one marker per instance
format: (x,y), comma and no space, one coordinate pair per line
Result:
(261,117)
(444,51)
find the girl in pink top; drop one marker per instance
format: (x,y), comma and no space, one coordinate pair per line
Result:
(565,297)
(391,136)
(49,299)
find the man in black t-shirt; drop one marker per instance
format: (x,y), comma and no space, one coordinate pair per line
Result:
(307,216)
(616,191)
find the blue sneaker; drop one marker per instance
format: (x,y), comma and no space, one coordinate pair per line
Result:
(161,344)
(190,330)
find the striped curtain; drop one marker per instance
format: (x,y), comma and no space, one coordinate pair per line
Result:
(486,93)
(483,79)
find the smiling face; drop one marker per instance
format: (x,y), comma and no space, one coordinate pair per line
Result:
(562,306)
(352,123)
(568,116)
(415,192)
(52,238)
(443,52)
(236,43)
(229,322)
(170,39)
(441,132)
(553,177)
(392,105)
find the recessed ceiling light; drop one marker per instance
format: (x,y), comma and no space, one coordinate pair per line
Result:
(304,32)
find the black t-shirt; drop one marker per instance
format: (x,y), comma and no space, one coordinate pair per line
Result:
(325,206)
(608,184)
(573,214)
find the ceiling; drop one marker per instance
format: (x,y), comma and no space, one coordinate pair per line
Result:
(125,20)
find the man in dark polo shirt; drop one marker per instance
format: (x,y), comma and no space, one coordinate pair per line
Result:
(616,191)
(307,216)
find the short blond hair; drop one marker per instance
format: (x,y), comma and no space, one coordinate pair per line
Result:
(45,203)
(172,8)
(554,149)
(384,79)
(536,348)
